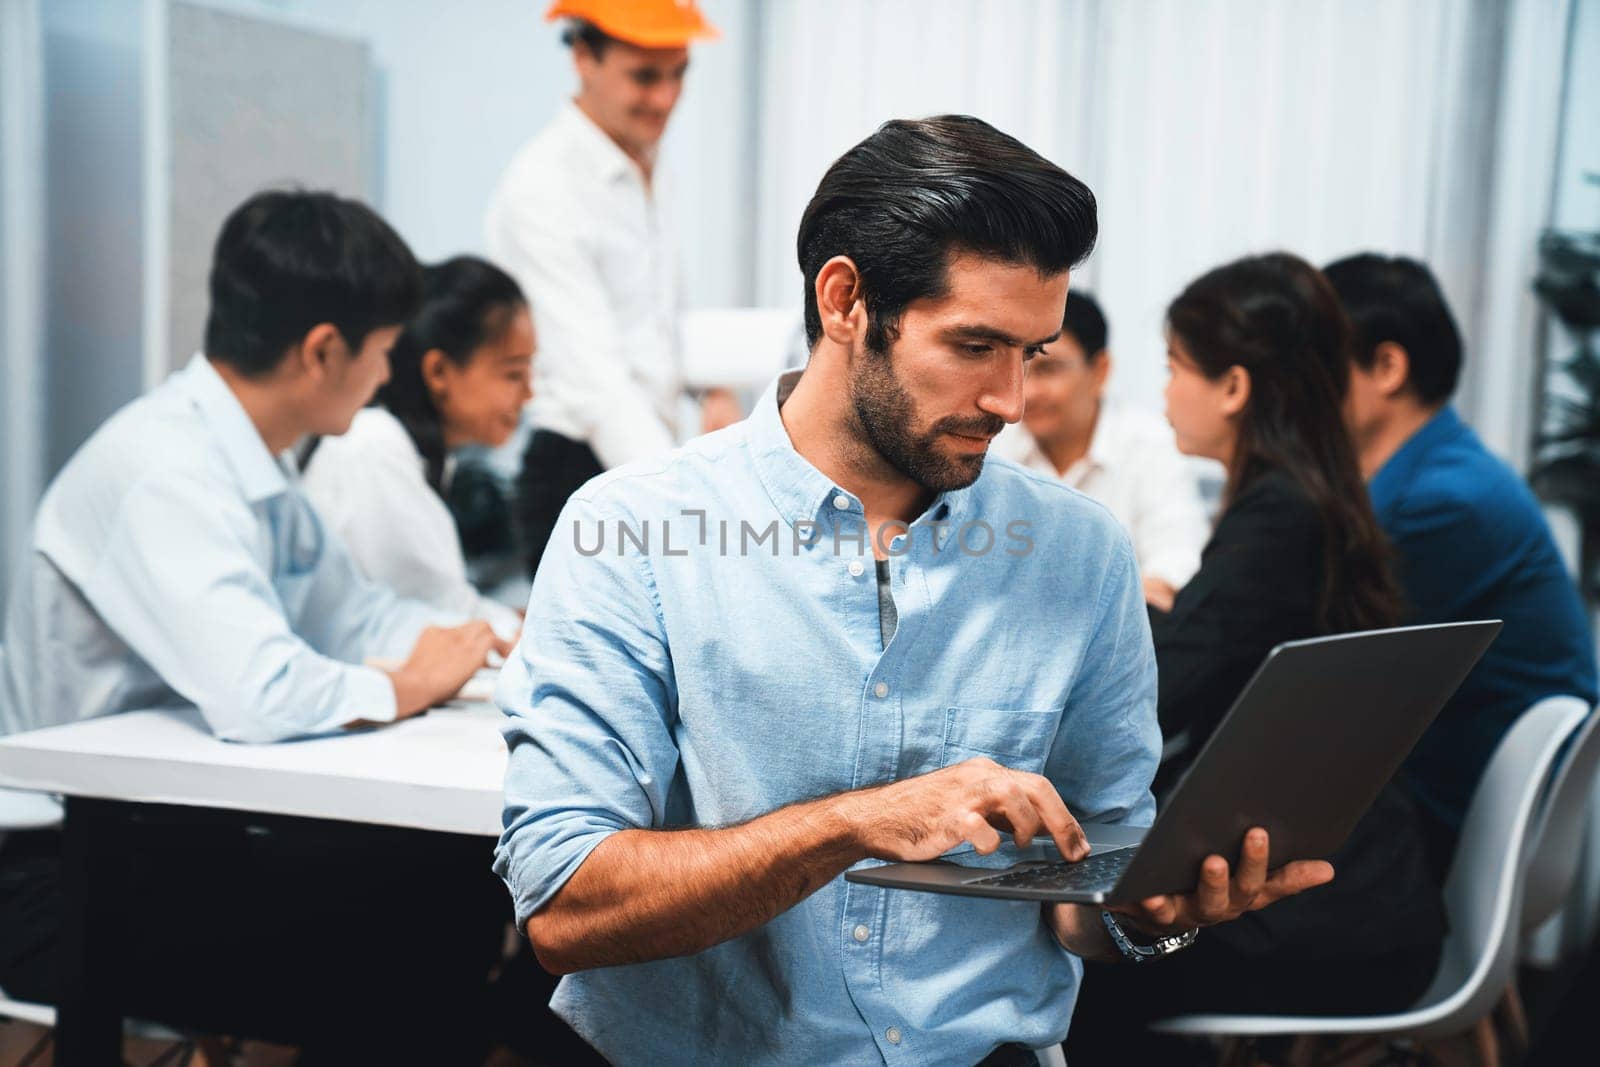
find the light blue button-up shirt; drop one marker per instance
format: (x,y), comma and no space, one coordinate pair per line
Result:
(174,562)
(702,647)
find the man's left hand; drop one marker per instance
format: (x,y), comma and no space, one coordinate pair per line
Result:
(1219,898)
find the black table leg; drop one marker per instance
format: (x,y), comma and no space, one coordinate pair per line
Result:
(94,873)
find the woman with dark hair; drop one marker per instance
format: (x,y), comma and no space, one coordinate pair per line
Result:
(459,375)
(1259,363)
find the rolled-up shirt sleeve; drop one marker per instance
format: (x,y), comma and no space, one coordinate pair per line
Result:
(590,702)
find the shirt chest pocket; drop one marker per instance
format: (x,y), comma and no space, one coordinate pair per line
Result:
(1017,739)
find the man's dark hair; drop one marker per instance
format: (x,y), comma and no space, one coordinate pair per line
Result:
(287,261)
(592,37)
(1392,298)
(1086,323)
(914,192)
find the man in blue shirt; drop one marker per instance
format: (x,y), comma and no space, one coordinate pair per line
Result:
(175,563)
(1470,541)
(716,710)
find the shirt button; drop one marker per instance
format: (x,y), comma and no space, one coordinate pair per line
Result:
(861,933)
(841,502)
(881,690)
(893,1034)
(856,567)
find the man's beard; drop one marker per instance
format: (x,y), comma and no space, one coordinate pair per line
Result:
(888,418)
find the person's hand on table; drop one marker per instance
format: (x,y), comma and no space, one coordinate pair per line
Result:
(441,662)
(1219,898)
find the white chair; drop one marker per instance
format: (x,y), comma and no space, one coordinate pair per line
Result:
(21,810)
(45,1015)
(37,1014)
(1482,897)
(25,811)
(1558,834)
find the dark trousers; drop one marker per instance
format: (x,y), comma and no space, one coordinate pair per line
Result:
(553,468)
(357,943)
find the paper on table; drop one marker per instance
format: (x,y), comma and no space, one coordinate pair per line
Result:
(479,689)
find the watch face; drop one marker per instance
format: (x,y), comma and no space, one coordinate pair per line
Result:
(1161,946)
(1173,942)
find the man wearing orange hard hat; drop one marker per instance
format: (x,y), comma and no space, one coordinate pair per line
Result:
(579,219)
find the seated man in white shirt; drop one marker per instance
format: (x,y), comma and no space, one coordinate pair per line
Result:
(1124,458)
(174,563)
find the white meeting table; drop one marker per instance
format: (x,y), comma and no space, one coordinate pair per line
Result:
(439,773)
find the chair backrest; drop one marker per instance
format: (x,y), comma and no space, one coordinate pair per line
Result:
(1558,833)
(1483,891)
(25,811)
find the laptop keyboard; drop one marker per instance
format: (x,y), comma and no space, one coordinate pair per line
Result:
(1096,872)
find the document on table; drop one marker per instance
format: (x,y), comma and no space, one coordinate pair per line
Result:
(479,689)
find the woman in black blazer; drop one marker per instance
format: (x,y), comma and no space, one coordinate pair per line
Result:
(1258,353)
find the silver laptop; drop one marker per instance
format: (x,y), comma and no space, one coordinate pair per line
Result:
(1304,751)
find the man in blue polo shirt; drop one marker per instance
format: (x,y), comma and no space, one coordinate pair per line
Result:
(832,634)
(1469,538)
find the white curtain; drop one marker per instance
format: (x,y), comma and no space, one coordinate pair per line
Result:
(1210,129)
(832,70)
(21,274)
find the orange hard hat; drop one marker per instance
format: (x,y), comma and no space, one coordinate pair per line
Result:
(646,23)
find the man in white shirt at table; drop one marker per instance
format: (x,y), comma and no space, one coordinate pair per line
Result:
(1122,457)
(580,219)
(174,563)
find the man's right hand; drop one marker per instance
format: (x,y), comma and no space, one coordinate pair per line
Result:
(441,662)
(924,817)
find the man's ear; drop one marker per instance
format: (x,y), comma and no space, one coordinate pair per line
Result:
(839,301)
(1101,371)
(1235,390)
(318,350)
(1391,368)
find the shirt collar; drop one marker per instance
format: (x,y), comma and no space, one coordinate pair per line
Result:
(800,491)
(1101,453)
(1401,468)
(261,476)
(609,162)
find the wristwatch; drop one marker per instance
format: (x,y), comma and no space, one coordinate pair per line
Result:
(1137,953)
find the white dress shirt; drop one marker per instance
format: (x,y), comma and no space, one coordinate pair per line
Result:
(370,485)
(175,563)
(574,222)
(1134,468)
